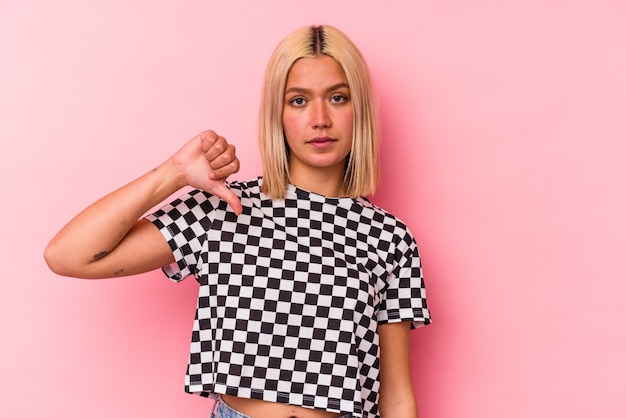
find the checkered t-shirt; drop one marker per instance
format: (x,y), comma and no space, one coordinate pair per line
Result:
(291,293)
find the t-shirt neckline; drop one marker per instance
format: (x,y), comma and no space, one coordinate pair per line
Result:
(294,191)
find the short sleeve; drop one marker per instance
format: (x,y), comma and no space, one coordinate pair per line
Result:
(184,223)
(404,297)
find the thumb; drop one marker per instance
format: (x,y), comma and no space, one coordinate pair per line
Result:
(223,192)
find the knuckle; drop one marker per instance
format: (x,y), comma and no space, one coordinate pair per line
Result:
(209,134)
(219,147)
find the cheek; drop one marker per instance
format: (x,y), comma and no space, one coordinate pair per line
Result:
(346,122)
(290,124)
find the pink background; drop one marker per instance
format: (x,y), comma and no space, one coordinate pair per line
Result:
(504,151)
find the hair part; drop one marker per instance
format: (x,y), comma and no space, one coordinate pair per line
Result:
(362,167)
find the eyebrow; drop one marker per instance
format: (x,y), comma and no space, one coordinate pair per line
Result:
(331,88)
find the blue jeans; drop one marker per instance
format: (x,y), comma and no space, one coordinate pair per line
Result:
(224,411)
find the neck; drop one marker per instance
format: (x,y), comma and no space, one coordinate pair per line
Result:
(327,182)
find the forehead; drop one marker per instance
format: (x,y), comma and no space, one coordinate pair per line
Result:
(315,71)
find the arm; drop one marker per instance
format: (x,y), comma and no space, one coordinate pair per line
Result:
(108,239)
(396,389)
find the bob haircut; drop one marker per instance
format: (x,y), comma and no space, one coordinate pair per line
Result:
(362,165)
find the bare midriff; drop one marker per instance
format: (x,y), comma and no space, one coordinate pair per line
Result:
(256,408)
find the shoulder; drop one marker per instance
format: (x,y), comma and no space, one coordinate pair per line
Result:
(380,216)
(197,199)
(246,188)
(392,233)
(241,189)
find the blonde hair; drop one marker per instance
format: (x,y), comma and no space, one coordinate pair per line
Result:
(362,167)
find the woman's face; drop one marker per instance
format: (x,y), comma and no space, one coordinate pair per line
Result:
(317,117)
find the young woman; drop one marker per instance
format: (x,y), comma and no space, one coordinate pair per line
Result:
(307,290)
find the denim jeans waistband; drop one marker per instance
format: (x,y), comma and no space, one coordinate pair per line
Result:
(222,410)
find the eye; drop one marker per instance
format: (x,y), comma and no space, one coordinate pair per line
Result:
(338,99)
(297,101)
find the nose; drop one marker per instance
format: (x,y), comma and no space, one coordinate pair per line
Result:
(320,117)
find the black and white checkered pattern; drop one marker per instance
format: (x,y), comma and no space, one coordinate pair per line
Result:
(291,292)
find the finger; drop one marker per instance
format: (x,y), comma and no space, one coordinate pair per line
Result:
(216,148)
(225,171)
(208,138)
(223,159)
(229,197)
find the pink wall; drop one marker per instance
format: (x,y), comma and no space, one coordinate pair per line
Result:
(504,152)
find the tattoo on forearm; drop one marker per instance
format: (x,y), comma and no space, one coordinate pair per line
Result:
(118,272)
(100,255)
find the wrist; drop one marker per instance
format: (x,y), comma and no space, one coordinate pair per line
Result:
(171,175)
(167,179)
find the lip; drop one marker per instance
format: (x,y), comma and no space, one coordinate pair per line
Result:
(322,142)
